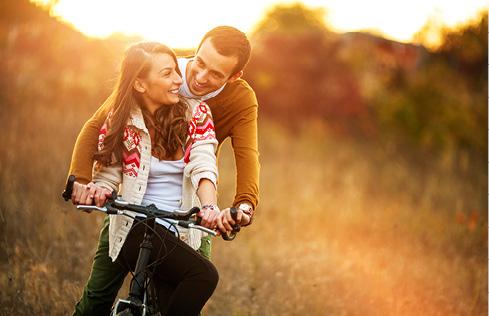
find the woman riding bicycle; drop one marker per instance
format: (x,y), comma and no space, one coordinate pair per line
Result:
(159,149)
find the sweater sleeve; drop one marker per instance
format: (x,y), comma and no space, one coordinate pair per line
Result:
(200,153)
(244,140)
(86,146)
(110,176)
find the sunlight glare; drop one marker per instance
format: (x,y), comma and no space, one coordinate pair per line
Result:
(183,23)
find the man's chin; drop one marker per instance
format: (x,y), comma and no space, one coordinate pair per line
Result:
(198,92)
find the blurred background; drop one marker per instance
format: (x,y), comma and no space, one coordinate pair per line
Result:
(373,149)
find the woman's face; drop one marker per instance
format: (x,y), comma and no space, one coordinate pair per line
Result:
(162,83)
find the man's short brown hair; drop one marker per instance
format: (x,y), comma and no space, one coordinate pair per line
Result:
(230,41)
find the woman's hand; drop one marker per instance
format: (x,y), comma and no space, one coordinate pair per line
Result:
(225,220)
(82,193)
(209,214)
(87,194)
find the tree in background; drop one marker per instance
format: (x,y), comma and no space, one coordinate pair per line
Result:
(420,100)
(297,73)
(441,107)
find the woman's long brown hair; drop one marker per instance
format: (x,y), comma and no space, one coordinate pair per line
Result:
(169,122)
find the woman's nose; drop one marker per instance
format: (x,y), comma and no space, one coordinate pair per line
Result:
(178,80)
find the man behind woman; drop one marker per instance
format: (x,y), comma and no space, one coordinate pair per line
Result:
(217,65)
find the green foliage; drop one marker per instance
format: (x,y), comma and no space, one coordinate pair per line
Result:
(365,86)
(465,49)
(442,106)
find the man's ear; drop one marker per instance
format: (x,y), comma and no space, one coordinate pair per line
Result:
(139,86)
(236,76)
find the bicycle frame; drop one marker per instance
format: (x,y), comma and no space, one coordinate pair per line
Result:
(142,298)
(139,291)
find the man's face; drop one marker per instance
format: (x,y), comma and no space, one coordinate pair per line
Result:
(210,70)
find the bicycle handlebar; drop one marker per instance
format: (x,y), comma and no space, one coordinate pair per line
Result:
(111,210)
(117,206)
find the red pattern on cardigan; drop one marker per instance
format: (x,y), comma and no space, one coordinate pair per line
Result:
(201,127)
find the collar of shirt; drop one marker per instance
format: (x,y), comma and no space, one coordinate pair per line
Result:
(185,90)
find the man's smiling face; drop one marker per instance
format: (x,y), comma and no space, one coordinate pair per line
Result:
(209,70)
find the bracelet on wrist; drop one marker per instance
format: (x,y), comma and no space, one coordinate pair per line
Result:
(209,206)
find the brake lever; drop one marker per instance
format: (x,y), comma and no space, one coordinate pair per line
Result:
(91,208)
(191,224)
(202,228)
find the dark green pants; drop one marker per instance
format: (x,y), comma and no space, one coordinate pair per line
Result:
(106,277)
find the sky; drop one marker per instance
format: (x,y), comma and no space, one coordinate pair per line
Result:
(182,23)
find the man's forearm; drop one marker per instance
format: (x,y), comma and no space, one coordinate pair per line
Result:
(86,146)
(247,180)
(245,146)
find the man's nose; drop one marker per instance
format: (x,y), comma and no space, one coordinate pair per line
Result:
(201,76)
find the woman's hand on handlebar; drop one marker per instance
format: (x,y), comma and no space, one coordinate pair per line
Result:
(88,194)
(101,194)
(225,220)
(209,216)
(82,194)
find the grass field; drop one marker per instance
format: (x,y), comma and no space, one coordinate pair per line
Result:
(343,227)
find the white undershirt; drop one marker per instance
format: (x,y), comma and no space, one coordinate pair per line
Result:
(164,189)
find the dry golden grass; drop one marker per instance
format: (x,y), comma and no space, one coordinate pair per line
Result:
(350,229)
(343,228)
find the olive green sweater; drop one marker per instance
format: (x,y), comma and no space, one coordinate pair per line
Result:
(235,112)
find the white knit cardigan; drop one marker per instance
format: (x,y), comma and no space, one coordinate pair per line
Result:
(131,180)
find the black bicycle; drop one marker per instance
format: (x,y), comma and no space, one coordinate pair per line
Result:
(142,299)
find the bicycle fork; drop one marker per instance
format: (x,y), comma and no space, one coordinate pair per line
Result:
(137,287)
(138,283)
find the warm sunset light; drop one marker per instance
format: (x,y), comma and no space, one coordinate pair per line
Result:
(182,24)
(357,132)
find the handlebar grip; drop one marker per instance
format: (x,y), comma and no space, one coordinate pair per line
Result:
(69,188)
(234,215)
(113,196)
(236,227)
(194,210)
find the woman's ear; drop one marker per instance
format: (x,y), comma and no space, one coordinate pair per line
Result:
(139,86)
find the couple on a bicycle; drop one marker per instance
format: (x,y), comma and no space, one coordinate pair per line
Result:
(154,142)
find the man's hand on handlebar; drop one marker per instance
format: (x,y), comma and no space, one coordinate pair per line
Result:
(225,220)
(88,194)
